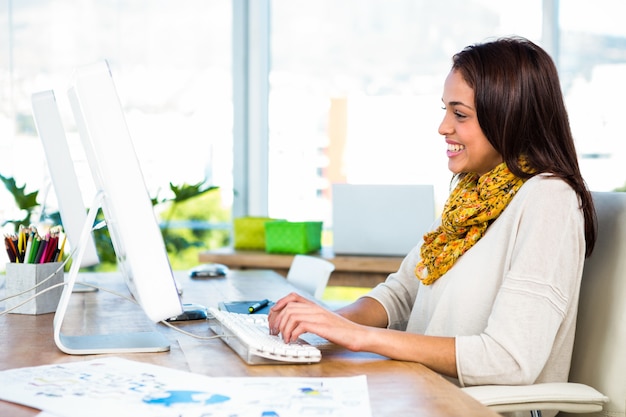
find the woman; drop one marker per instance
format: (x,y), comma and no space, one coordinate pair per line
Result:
(490,295)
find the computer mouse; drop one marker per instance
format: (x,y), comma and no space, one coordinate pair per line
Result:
(191,311)
(208,270)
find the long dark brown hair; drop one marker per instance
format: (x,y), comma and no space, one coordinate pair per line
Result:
(521,111)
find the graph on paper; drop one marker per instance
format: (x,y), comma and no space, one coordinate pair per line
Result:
(119,387)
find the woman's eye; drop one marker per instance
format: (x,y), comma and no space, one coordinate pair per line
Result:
(456,113)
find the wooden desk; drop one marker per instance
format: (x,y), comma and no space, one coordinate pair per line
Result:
(396,388)
(350,271)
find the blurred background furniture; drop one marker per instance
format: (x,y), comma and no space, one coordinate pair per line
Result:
(310,273)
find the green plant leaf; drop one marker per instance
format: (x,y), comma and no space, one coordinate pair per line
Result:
(24,201)
(186,191)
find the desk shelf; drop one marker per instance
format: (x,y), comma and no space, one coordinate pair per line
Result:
(350,270)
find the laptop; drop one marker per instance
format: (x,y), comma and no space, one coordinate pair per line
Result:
(386,220)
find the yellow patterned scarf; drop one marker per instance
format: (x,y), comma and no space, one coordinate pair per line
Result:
(472,206)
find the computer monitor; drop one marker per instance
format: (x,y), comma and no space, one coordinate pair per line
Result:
(61,167)
(122,194)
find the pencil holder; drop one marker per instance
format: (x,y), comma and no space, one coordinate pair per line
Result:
(24,277)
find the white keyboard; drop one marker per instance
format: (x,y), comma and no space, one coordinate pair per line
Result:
(248,335)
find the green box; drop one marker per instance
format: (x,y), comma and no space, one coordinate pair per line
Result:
(293,237)
(249,232)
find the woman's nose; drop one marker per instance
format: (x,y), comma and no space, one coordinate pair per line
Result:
(444,127)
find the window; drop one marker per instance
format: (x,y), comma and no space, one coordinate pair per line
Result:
(171,62)
(592,63)
(355,91)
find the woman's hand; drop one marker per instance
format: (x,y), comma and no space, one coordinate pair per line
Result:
(294,315)
(362,329)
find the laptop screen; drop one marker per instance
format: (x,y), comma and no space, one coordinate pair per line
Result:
(380,219)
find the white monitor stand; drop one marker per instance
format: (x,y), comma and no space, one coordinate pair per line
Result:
(98,343)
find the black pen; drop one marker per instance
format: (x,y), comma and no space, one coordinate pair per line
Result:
(257,306)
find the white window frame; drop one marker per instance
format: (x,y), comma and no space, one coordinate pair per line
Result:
(251,52)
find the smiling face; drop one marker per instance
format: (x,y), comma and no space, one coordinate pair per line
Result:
(468,147)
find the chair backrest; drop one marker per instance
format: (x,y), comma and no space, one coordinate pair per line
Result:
(310,274)
(599,358)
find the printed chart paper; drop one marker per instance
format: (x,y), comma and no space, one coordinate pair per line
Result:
(119,387)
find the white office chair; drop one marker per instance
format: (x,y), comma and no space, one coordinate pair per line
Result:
(310,274)
(599,358)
